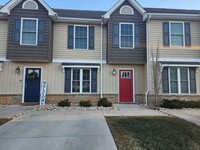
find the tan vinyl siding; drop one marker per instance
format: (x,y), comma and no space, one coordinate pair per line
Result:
(3,38)
(60,50)
(12,83)
(111,83)
(156,37)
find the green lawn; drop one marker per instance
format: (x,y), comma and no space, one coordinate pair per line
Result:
(154,133)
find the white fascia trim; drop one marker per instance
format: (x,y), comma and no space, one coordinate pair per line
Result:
(4,59)
(177,59)
(132,2)
(179,65)
(68,19)
(7,8)
(78,61)
(171,14)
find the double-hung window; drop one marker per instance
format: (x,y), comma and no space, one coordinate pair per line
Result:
(126,35)
(179,80)
(81,80)
(81,37)
(177,34)
(29,31)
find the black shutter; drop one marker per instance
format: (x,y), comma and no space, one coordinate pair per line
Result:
(68,80)
(187,34)
(70,37)
(137,35)
(94,81)
(166,34)
(116,35)
(192,81)
(91,38)
(41,32)
(17,27)
(165,80)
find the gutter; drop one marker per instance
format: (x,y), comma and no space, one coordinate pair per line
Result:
(148,56)
(101,80)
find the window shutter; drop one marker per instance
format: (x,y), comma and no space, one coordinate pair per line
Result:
(70,37)
(116,35)
(192,81)
(165,80)
(68,80)
(94,81)
(166,34)
(91,38)
(137,35)
(187,35)
(41,32)
(17,27)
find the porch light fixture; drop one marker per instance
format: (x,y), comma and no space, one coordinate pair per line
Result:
(114,72)
(18,70)
(1,66)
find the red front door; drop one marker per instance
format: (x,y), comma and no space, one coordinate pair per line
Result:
(126,86)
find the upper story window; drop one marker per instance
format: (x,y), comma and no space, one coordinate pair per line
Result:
(30,4)
(179,80)
(176,34)
(81,37)
(126,35)
(29,31)
(126,10)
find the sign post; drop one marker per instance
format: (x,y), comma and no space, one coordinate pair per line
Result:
(43,92)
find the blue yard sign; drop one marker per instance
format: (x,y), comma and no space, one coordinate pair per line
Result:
(43,93)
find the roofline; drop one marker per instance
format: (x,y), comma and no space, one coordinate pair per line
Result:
(78,20)
(174,14)
(133,3)
(7,7)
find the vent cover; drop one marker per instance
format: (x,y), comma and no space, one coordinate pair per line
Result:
(126,10)
(30,4)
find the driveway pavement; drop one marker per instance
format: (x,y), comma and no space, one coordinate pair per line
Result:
(132,110)
(11,110)
(191,115)
(79,130)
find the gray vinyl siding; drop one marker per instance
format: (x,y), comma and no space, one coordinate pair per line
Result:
(39,53)
(126,56)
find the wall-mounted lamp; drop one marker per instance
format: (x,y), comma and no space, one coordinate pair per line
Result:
(1,66)
(18,70)
(114,72)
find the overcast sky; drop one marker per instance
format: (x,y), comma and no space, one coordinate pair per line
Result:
(106,4)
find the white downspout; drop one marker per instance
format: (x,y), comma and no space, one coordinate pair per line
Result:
(101,80)
(148,58)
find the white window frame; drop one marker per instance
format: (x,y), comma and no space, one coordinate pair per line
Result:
(170,34)
(81,81)
(30,1)
(75,36)
(132,11)
(121,23)
(21,33)
(179,80)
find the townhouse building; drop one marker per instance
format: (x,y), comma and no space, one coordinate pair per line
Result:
(86,55)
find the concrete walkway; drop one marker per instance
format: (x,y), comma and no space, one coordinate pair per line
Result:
(133,110)
(83,130)
(11,110)
(191,115)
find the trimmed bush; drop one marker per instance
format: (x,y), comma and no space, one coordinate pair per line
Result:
(104,102)
(178,104)
(64,103)
(85,103)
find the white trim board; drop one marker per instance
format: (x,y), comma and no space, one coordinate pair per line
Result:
(4,59)
(135,4)
(78,61)
(177,59)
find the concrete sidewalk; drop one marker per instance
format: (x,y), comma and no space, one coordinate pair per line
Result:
(133,110)
(79,130)
(191,115)
(11,110)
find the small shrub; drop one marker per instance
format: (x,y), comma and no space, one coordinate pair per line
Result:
(104,102)
(178,104)
(85,103)
(64,103)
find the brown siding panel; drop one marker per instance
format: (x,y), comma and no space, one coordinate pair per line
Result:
(39,53)
(126,56)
